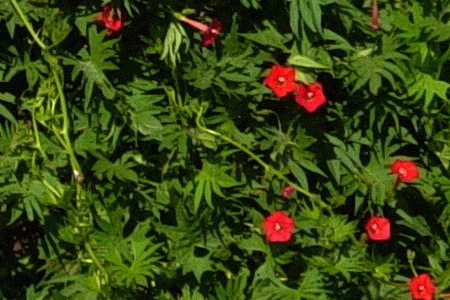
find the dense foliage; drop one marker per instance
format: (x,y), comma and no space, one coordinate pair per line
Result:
(225,149)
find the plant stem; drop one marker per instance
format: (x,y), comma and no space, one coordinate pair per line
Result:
(28,24)
(88,247)
(410,255)
(266,166)
(177,88)
(66,123)
(36,134)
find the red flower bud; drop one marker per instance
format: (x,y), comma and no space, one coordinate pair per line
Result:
(375,17)
(287,191)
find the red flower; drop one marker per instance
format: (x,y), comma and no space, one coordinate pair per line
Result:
(278,227)
(209,36)
(405,170)
(378,228)
(310,96)
(281,80)
(209,32)
(287,191)
(112,18)
(422,287)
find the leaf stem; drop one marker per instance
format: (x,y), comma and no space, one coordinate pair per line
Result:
(27,24)
(266,166)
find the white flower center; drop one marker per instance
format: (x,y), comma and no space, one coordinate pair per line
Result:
(278,226)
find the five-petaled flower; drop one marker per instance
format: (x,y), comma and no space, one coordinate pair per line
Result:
(405,170)
(112,18)
(281,80)
(278,227)
(378,228)
(287,191)
(209,32)
(310,96)
(422,287)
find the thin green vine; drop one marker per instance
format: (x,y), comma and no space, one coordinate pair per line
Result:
(28,24)
(97,263)
(265,165)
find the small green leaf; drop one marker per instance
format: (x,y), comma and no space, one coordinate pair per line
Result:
(303,61)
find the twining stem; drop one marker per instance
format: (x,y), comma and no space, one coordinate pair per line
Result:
(66,123)
(65,140)
(28,24)
(36,134)
(266,166)
(88,247)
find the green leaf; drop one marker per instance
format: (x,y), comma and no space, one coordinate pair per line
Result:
(211,178)
(417,223)
(120,169)
(341,42)
(96,59)
(299,174)
(269,37)
(294,17)
(138,261)
(311,286)
(235,287)
(303,61)
(175,36)
(425,84)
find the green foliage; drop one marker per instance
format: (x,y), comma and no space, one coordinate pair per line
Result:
(94,61)
(212,178)
(136,163)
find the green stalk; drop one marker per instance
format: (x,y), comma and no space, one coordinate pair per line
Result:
(266,166)
(66,124)
(36,134)
(28,24)
(91,253)
(177,88)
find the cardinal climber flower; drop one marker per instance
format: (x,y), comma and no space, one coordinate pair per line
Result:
(405,170)
(281,80)
(209,32)
(375,17)
(278,227)
(112,18)
(378,228)
(422,287)
(287,191)
(310,96)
